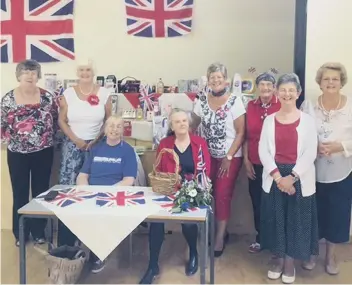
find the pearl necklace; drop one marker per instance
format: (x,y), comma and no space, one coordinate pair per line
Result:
(327,113)
(86,94)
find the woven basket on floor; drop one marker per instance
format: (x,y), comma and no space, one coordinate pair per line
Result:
(162,182)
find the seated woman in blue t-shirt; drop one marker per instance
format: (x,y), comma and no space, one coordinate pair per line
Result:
(110,162)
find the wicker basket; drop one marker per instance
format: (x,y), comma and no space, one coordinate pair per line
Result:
(162,182)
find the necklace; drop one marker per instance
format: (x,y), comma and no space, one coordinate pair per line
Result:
(265,106)
(86,94)
(328,114)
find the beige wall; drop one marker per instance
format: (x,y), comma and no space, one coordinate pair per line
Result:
(329,30)
(240,34)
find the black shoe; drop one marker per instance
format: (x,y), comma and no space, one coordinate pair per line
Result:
(218,253)
(192,265)
(149,276)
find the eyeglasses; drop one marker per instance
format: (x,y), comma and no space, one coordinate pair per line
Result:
(290,91)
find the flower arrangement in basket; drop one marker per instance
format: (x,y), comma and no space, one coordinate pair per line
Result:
(195,192)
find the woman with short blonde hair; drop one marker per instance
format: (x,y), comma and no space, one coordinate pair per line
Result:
(83,109)
(112,161)
(222,117)
(333,116)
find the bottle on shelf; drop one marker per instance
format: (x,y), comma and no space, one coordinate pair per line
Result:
(139,113)
(160,87)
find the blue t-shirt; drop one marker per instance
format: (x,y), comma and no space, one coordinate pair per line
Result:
(108,165)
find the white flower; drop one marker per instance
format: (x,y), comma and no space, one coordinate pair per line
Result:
(191,200)
(193,193)
(177,193)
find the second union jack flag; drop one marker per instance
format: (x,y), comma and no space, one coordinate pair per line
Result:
(167,202)
(37,29)
(121,198)
(68,198)
(159,18)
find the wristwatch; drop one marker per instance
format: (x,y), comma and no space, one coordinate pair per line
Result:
(229,157)
(295,178)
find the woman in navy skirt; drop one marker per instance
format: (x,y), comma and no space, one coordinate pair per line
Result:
(287,150)
(333,116)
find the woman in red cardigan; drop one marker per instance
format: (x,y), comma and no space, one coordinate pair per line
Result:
(186,146)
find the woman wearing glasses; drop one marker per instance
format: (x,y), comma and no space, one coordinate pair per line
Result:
(287,150)
(333,116)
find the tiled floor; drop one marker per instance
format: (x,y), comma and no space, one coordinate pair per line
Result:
(235,266)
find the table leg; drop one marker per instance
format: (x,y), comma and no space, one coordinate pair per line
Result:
(203,249)
(50,230)
(212,238)
(207,226)
(22,251)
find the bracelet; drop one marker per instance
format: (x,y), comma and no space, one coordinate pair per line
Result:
(278,179)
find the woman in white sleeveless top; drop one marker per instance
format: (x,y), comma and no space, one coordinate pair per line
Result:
(333,115)
(83,110)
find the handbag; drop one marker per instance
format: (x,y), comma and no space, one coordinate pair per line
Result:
(130,86)
(64,263)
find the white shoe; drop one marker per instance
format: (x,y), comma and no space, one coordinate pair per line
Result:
(274,275)
(288,279)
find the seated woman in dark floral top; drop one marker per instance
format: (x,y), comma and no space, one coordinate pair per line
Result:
(28,123)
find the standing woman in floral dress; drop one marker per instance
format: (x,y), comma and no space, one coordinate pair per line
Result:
(222,116)
(28,125)
(83,110)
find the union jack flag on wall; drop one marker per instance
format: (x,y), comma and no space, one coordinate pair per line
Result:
(73,196)
(121,198)
(159,18)
(37,29)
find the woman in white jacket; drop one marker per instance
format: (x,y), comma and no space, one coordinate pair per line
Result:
(287,150)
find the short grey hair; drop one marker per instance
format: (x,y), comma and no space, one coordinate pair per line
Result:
(289,78)
(28,64)
(170,132)
(217,67)
(266,76)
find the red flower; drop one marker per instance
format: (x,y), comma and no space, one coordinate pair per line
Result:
(189,177)
(93,100)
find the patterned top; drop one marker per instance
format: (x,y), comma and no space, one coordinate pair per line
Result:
(335,125)
(28,128)
(217,126)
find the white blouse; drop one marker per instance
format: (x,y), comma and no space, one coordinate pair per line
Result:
(336,126)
